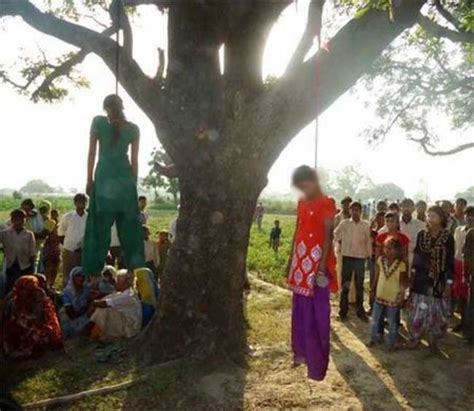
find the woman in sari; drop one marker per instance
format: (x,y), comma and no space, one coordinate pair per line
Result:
(76,299)
(431,279)
(119,315)
(31,324)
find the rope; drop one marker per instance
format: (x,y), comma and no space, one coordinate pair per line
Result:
(316,131)
(117,47)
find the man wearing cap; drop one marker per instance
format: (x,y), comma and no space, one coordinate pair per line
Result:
(71,230)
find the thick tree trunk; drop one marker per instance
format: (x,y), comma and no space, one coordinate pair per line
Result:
(201,305)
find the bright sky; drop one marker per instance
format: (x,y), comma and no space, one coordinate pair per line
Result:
(50,141)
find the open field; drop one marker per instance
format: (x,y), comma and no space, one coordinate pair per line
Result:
(358,378)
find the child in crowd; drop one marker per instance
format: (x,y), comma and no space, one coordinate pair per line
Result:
(376,224)
(275,236)
(52,251)
(392,229)
(152,256)
(388,290)
(19,249)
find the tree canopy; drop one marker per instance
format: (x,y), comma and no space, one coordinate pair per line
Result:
(426,73)
(37,186)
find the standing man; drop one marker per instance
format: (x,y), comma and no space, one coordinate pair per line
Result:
(19,249)
(344,214)
(356,246)
(459,210)
(421,208)
(410,227)
(71,231)
(381,206)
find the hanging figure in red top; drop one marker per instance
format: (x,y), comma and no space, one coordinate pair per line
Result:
(312,274)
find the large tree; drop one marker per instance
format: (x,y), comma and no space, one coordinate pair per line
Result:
(222,130)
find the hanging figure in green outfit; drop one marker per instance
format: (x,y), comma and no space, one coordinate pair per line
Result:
(112,190)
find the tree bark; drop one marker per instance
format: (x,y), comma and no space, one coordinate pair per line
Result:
(201,305)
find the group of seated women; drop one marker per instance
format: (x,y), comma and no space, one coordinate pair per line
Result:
(36,319)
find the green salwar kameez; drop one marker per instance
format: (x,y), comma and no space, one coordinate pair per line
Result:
(113,199)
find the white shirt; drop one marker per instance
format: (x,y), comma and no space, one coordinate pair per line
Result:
(18,247)
(411,230)
(151,252)
(355,238)
(72,227)
(459,241)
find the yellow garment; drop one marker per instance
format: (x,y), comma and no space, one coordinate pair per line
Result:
(49,225)
(388,288)
(145,284)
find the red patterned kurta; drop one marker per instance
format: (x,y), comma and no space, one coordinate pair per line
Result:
(308,247)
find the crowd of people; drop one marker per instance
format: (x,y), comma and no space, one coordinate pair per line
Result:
(39,309)
(420,261)
(418,258)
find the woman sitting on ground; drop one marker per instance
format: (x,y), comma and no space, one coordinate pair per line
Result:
(31,323)
(76,300)
(108,281)
(119,315)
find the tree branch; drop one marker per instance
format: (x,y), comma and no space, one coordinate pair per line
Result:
(424,142)
(436,30)
(313,29)
(447,15)
(138,85)
(161,65)
(294,100)
(63,70)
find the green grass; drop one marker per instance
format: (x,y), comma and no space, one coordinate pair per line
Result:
(261,259)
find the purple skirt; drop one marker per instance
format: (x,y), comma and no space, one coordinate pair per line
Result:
(310,331)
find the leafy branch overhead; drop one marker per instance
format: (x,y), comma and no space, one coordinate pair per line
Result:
(426,74)
(427,71)
(155,180)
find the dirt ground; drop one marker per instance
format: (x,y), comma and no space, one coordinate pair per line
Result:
(362,378)
(359,378)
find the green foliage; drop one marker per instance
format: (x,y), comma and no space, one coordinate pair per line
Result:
(261,259)
(17,195)
(37,186)
(154,180)
(422,77)
(468,194)
(380,191)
